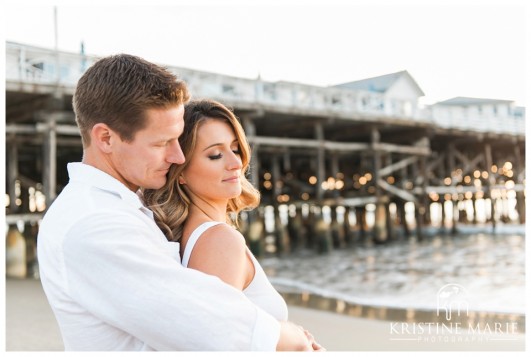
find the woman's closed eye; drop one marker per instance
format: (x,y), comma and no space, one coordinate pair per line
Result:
(220,155)
(215,157)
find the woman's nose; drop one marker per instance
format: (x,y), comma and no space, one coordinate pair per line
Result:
(235,162)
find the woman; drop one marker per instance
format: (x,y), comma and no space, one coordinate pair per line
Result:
(200,202)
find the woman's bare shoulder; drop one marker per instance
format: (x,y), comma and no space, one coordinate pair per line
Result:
(223,234)
(222,251)
(221,242)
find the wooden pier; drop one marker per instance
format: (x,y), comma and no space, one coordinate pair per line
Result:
(323,157)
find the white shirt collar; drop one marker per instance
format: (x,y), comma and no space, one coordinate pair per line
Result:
(87,174)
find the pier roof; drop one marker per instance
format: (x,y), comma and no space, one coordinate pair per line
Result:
(472,101)
(381,84)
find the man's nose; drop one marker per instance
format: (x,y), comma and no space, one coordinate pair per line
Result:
(175,154)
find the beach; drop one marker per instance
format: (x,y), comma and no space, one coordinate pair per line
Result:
(31,326)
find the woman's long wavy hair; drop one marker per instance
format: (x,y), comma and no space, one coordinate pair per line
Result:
(170,204)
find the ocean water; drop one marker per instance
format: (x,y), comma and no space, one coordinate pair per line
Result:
(490,268)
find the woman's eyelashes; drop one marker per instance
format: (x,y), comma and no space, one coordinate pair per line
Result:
(215,157)
(220,155)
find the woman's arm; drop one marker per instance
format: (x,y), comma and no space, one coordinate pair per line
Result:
(221,251)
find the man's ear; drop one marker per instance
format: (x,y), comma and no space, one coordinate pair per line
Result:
(102,136)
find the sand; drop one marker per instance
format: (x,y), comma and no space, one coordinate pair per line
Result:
(31,326)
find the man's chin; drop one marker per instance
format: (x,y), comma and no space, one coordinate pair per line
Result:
(155,185)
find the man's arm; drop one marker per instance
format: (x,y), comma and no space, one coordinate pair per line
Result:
(132,282)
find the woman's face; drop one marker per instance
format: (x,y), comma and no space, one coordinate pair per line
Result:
(215,166)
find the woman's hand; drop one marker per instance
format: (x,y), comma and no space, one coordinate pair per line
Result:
(316,346)
(293,338)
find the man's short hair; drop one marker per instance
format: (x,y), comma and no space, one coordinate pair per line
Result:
(117,90)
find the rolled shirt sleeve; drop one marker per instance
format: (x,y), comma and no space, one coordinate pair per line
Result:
(266,333)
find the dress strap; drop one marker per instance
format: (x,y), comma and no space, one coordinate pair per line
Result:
(193,239)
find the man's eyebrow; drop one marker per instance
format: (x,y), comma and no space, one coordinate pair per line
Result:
(161,139)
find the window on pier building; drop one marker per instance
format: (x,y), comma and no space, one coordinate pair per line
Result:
(228,89)
(39,65)
(270,90)
(518,113)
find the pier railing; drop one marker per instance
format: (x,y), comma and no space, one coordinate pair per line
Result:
(31,68)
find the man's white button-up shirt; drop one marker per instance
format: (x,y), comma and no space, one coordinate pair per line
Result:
(115,283)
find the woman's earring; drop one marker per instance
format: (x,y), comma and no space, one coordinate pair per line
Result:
(181,180)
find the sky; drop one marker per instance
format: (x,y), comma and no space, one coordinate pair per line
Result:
(451,48)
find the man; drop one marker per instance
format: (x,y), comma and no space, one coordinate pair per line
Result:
(113,280)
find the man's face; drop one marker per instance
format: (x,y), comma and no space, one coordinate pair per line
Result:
(145,161)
